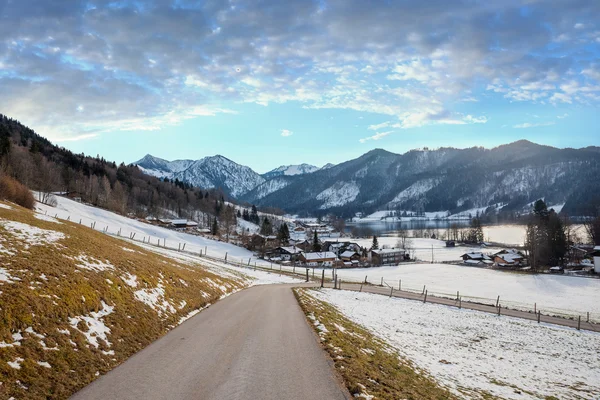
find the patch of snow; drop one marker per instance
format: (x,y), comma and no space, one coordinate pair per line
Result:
(5,206)
(16,364)
(44,364)
(5,276)
(96,327)
(31,235)
(155,299)
(93,264)
(130,280)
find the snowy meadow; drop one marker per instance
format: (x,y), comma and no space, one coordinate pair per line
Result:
(475,353)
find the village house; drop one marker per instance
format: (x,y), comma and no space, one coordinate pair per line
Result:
(183,224)
(387,256)
(261,243)
(509,258)
(340,247)
(287,253)
(476,258)
(318,259)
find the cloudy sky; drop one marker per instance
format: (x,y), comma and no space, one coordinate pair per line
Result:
(275,82)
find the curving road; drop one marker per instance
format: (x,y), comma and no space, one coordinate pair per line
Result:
(255,344)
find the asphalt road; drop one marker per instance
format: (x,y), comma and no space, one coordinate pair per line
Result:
(255,344)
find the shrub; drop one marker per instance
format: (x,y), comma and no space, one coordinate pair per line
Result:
(12,190)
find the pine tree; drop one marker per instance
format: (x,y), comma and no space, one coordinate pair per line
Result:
(316,245)
(375,244)
(215,227)
(266,227)
(283,234)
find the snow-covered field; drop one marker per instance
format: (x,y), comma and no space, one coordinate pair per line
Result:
(552,293)
(507,357)
(67,208)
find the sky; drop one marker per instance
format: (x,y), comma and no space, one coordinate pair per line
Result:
(267,83)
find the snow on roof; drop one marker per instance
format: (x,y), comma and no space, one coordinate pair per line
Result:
(473,262)
(179,221)
(388,251)
(291,249)
(510,257)
(476,256)
(319,255)
(348,253)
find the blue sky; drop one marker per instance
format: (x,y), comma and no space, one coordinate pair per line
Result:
(299,81)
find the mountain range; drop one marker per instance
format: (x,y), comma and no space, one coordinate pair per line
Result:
(445,179)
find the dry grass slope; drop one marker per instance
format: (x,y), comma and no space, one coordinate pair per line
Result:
(367,365)
(75,303)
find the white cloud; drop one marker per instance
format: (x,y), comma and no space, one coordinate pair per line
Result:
(532,125)
(377,136)
(377,127)
(286,132)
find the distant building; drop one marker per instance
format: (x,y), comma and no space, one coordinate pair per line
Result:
(288,253)
(183,224)
(318,259)
(509,258)
(596,254)
(388,256)
(450,243)
(475,256)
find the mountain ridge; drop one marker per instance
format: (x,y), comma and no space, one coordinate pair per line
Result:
(420,179)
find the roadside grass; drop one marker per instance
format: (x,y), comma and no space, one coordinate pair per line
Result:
(76,306)
(368,366)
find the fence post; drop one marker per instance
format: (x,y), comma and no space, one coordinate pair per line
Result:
(279,269)
(391,291)
(322,278)
(423,292)
(249,261)
(535,308)
(499,308)
(588,317)
(400,285)
(307,274)
(539,316)
(225,256)
(365,279)
(497,301)
(183,248)
(579,323)
(425,298)
(381,281)
(457,294)
(294,270)
(459,303)
(360,287)
(340,287)
(179,247)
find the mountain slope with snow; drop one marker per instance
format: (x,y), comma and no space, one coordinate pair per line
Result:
(291,170)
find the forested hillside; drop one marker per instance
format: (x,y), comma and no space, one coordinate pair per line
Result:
(37,163)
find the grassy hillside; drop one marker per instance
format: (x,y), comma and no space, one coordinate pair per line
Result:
(74,303)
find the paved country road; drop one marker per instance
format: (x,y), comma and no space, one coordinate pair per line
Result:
(255,344)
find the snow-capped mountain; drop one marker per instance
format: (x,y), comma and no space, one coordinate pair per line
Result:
(208,172)
(291,170)
(445,179)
